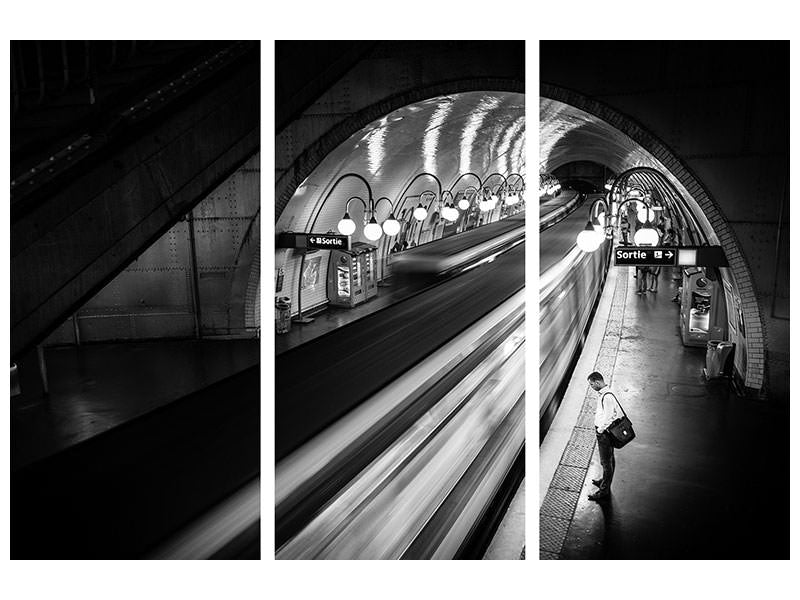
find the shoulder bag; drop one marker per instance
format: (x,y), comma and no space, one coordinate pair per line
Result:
(621,430)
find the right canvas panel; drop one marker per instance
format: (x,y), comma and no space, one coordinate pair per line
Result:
(663,290)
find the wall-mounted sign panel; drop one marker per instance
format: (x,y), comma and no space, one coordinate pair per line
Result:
(647,256)
(313,241)
(626,256)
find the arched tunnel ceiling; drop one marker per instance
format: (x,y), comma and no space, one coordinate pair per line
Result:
(568,134)
(481,132)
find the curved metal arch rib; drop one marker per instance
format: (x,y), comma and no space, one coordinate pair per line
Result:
(333,187)
(651,179)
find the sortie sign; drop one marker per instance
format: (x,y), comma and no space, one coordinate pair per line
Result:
(328,241)
(640,256)
(313,241)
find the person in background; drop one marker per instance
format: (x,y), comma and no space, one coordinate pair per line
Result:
(641,278)
(652,275)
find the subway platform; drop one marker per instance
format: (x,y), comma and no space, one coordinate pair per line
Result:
(96,387)
(508,542)
(707,476)
(333,317)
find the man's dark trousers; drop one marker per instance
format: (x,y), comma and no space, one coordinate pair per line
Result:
(606,451)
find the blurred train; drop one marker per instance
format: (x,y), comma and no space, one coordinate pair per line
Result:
(568,295)
(450,454)
(456,253)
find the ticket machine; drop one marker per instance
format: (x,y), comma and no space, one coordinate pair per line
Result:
(352,275)
(703,312)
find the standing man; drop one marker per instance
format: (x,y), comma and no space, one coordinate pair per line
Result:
(605,413)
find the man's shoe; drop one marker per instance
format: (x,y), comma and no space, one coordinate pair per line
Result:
(597,482)
(599,495)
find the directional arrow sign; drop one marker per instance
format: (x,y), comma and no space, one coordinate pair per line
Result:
(319,241)
(327,241)
(645,256)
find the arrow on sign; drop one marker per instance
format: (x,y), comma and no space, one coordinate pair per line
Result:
(669,254)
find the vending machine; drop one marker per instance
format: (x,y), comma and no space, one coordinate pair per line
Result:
(703,311)
(352,275)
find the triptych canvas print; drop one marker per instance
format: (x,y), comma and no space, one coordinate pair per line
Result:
(629,334)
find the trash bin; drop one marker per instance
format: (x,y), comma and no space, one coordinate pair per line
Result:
(717,353)
(283,314)
(15,390)
(725,351)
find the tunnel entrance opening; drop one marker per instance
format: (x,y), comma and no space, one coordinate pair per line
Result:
(576,128)
(583,176)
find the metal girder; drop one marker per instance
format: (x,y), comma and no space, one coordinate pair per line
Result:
(86,230)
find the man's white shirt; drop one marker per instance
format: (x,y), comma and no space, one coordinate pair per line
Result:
(607,409)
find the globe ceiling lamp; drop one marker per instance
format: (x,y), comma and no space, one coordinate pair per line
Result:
(588,240)
(421,212)
(346,226)
(495,194)
(644,213)
(485,203)
(514,195)
(469,194)
(373,231)
(600,224)
(640,195)
(646,236)
(449,212)
(391,226)
(597,227)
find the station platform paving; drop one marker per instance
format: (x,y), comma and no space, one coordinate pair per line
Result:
(707,476)
(508,542)
(96,387)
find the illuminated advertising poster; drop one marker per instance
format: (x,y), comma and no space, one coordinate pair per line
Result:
(343,281)
(311,274)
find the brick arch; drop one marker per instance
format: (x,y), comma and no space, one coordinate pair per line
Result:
(312,156)
(755,376)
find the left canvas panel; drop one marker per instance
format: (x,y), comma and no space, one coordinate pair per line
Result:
(135,289)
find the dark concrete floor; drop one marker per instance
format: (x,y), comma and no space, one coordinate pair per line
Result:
(707,476)
(96,387)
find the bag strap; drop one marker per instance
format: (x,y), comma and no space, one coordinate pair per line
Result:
(615,399)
